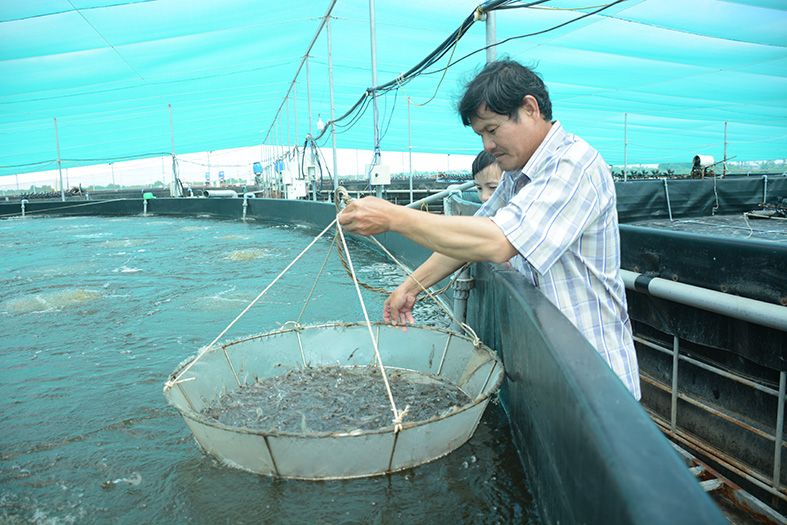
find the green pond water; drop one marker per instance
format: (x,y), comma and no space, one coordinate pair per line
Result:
(97,312)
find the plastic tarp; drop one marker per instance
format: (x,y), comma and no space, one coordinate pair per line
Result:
(651,81)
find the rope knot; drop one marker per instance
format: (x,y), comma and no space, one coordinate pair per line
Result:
(298,327)
(397,421)
(342,197)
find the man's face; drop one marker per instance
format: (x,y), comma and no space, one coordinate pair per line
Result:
(512,142)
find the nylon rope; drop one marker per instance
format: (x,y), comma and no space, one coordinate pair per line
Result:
(464,326)
(398,416)
(343,195)
(316,280)
(202,352)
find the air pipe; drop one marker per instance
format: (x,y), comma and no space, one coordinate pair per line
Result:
(221,194)
(751,310)
(246,197)
(442,194)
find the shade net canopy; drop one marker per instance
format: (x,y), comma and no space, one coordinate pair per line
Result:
(643,81)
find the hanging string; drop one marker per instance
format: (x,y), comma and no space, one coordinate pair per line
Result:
(398,416)
(176,379)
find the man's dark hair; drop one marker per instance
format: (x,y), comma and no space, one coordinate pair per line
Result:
(482,160)
(501,86)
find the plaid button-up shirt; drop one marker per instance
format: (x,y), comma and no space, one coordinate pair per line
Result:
(559,213)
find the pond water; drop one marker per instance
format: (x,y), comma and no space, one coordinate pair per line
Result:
(97,312)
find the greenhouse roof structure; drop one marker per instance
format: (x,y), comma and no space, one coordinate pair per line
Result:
(644,81)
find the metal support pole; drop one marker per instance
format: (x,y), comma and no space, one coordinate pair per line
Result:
(724,164)
(112,167)
(308,95)
(373,39)
(777,454)
(674,403)
(174,191)
(764,189)
(626,147)
(333,107)
(410,146)
(59,164)
(666,192)
(295,108)
(491,37)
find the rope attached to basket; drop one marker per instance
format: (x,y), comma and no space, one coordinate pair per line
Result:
(204,350)
(431,294)
(398,416)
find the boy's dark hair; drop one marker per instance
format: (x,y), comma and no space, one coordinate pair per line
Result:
(501,86)
(482,160)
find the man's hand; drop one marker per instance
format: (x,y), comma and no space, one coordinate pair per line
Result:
(398,308)
(367,216)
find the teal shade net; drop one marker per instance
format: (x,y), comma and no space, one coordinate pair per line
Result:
(663,76)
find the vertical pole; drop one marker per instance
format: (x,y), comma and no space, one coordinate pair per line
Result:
(308,95)
(777,455)
(295,108)
(333,107)
(674,405)
(625,145)
(59,164)
(410,146)
(491,37)
(724,164)
(287,101)
(174,191)
(209,169)
(112,167)
(373,39)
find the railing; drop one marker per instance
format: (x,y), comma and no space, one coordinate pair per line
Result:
(757,312)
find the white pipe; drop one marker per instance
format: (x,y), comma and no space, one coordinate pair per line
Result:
(225,194)
(440,195)
(378,189)
(743,308)
(333,106)
(410,146)
(491,37)
(59,164)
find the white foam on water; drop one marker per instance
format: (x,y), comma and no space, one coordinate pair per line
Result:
(125,243)
(232,237)
(194,228)
(49,301)
(248,254)
(126,269)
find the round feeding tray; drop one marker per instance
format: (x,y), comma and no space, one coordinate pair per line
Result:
(309,402)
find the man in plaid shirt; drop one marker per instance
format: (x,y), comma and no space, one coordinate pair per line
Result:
(553,216)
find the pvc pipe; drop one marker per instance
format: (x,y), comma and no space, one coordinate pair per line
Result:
(743,308)
(464,282)
(440,195)
(491,37)
(224,194)
(59,164)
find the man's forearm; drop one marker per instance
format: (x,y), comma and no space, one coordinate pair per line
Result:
(436,268)
(459,238)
